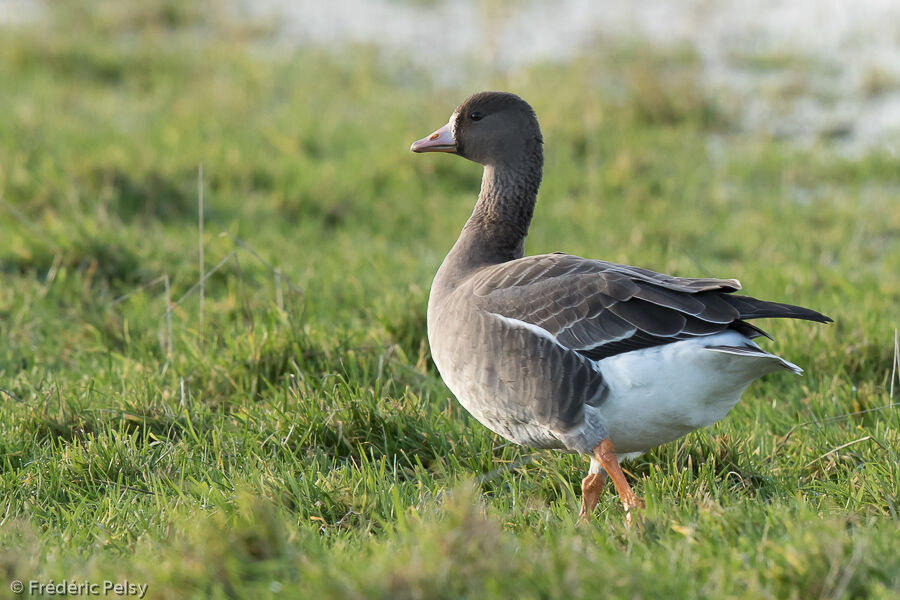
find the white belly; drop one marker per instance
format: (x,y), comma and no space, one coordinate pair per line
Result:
(662,393)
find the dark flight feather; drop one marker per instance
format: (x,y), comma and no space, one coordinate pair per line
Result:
(601,309)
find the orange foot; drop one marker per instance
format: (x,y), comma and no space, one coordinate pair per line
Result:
(606,454)
(591,488)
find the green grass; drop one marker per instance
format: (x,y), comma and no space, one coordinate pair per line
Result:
(306,447)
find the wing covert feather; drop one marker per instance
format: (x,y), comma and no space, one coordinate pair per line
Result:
(600,309)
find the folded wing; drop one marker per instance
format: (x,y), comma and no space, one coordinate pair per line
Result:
(601,309)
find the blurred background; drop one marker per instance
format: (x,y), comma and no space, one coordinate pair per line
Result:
(802,69)
(302,111)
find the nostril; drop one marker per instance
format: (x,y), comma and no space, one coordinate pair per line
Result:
(434,136)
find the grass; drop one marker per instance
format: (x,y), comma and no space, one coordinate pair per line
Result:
(297,440)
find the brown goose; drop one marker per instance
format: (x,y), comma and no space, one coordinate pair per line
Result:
(557,351)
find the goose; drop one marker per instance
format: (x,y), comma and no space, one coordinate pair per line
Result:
(561,352)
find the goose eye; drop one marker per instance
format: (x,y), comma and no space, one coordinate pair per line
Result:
(476,116)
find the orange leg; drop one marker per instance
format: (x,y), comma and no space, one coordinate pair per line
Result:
(605,453)
(591,488)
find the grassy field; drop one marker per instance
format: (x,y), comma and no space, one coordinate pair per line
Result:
(284,432)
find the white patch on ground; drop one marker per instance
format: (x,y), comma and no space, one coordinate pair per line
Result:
(801,69)
(20,12)
(796,68)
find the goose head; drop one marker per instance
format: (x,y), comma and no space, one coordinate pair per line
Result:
(489,128)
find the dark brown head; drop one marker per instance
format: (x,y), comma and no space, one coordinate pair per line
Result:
(490,128)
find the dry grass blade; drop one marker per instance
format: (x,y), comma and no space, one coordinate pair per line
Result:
(208,274)
(149,284)
(511,466)
(274,270)
(279,293)
(895,364)
(895,376)
(24,220)
(168,316)
(200,241)
(10,394)
(841,447)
